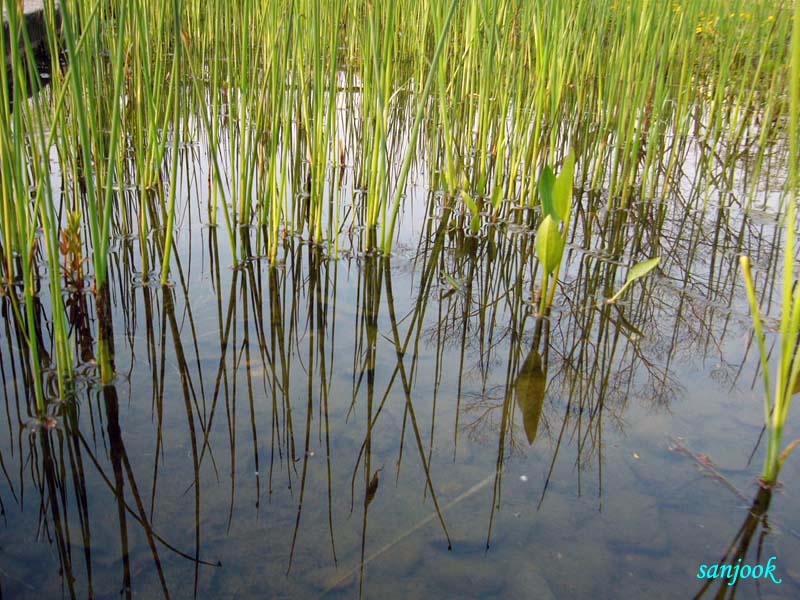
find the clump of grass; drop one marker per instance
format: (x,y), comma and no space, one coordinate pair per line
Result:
(26,199)
(507,94)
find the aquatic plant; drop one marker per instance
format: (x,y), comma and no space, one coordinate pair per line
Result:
(778,392)
(26,198)
(636,272)
(314,118)
(555,194)
(388,230)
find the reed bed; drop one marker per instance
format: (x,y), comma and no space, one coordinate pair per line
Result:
(316,119)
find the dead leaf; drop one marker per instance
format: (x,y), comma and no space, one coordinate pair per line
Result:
(705,460)
(372,489)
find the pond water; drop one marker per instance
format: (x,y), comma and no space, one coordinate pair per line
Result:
(352,425)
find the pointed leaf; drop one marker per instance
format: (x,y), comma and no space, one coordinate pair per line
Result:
(471,205)
(529,389)
(497,196)
(641,269)
(546,182)
(549,244)
(562,189)
(475,224)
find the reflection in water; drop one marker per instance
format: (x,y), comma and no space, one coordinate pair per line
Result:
(754,528)
(332,426)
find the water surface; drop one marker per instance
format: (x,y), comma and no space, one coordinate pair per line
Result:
(345,424)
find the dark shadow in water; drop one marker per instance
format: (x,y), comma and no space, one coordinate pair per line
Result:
(754,530)
(31,41)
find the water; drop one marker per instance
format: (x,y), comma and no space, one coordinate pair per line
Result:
(361,426)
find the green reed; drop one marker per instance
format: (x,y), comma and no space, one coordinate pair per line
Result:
(174,104)
(480,94)
(508,89)
(778,392)
(25,174)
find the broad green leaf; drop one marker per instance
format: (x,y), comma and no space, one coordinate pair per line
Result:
(529,389)
(546,182)
(641,269)
(562,189)
(549,244)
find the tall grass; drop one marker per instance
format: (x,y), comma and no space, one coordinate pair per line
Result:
(26,198)
(317,117)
